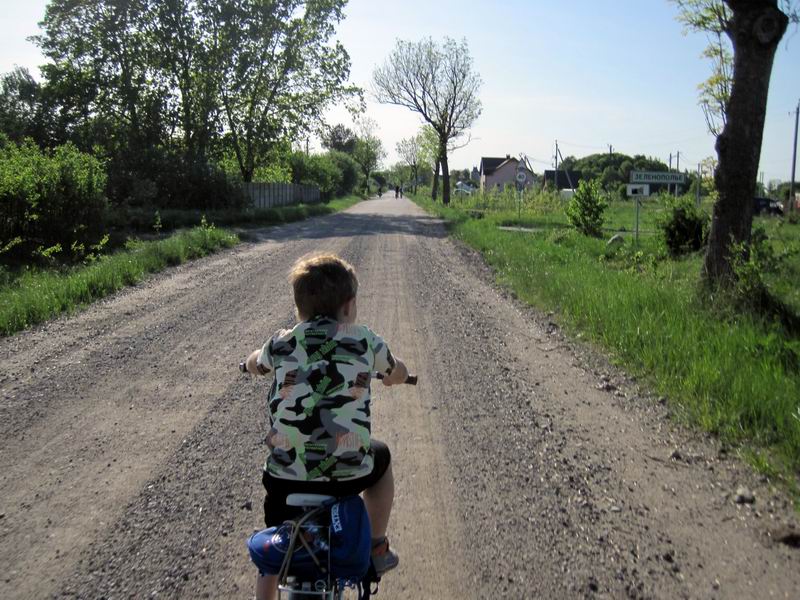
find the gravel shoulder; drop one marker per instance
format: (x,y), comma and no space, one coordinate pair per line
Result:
(525,466)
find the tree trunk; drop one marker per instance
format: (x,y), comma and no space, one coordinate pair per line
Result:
(755,31)
(445,180)
(435,185)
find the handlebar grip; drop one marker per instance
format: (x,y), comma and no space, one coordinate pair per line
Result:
(410,380)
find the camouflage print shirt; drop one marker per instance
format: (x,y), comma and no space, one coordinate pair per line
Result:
(319,401)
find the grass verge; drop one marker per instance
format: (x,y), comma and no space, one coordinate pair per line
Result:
(40,295)
(736,376)
(37,295)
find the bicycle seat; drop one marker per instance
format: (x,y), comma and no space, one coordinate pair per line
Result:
(308,500)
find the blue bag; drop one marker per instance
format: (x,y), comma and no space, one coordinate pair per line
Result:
(344,522)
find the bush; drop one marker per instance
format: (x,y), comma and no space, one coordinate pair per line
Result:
(685,228)
(51,202)
(349,170)
(316,169)
(585,209)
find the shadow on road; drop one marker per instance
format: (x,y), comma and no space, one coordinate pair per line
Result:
(349,224)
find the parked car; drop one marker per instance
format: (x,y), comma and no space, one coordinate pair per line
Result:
(768,206)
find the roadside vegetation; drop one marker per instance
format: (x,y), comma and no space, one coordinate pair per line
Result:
(726,365)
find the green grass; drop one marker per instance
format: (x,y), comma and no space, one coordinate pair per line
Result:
(738,376)
(36,296)
(29,297)
(142,220)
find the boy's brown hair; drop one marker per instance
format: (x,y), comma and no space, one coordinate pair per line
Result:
(322,284)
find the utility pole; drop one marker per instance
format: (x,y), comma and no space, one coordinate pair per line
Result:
(669,185)
(610,149)
(555,174)
(699,184)
(678,169)
(792,201)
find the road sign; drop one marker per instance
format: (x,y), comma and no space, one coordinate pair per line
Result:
(641,190)
(521,177)
(657,177)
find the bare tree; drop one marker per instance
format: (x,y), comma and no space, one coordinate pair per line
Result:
(438,82)
(755,28)
(409,150)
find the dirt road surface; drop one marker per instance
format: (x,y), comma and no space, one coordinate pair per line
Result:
(131,447)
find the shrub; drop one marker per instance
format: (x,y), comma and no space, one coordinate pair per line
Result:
(585,209)
(349,170)
(685,228)
(51,202)
(316,169)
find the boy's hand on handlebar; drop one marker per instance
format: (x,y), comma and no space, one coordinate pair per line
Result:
(398,375)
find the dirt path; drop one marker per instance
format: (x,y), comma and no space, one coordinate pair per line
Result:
(130,448)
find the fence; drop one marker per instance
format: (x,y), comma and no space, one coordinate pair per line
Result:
(267,195)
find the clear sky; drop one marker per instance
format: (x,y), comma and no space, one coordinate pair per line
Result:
(585,73)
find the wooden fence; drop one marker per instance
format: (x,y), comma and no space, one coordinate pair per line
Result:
(267,195)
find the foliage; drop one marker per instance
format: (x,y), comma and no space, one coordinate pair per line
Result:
(316,169)
(368,152)
(410,151)
(612,170)
(740,383)
(339,138)
(685,227)
(586,207)
(51,203)
(438,82)
(348,172)
(39,295)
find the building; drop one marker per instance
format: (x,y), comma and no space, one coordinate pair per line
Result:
(564,179)
(496,173)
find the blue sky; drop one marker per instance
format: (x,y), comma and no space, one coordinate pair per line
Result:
(586,73)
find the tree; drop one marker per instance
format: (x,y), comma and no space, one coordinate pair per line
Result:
(21,113)
(436,81)
(409,150)
(368,151)
(754,27)
(279,72)
(340,138)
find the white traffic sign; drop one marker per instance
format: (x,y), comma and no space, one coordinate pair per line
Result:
(640,190)
(657,177)
(521,177)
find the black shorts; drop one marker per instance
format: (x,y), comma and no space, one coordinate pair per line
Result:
(275,509)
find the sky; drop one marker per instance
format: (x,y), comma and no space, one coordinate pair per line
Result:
(586,73)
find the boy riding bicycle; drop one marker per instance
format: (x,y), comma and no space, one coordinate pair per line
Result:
(319,405)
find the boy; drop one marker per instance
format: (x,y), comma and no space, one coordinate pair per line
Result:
(319,405)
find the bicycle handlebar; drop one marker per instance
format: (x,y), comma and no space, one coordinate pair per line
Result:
(410,380)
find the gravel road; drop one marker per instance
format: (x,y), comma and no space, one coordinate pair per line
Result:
(526,466)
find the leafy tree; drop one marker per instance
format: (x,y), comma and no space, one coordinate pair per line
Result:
(368,152)
(586,207)
(279,71)
(21,109)
(349,170)
(340,138)
(438,82)
(410,150)
(755,28)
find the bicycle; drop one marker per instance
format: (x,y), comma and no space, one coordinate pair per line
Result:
(310,535)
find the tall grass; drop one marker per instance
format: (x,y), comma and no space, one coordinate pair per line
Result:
(737,376)
(39,295)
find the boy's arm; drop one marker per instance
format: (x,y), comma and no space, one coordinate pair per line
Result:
(398,375)
(253,366)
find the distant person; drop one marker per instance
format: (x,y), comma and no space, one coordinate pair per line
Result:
(401,191)
(397,191)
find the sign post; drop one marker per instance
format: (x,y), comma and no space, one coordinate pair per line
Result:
(637,191)
(521,178)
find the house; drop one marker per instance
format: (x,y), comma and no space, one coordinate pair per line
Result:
(564,179)
(496,173)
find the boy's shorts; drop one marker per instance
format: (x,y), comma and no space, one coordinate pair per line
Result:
(275,509)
